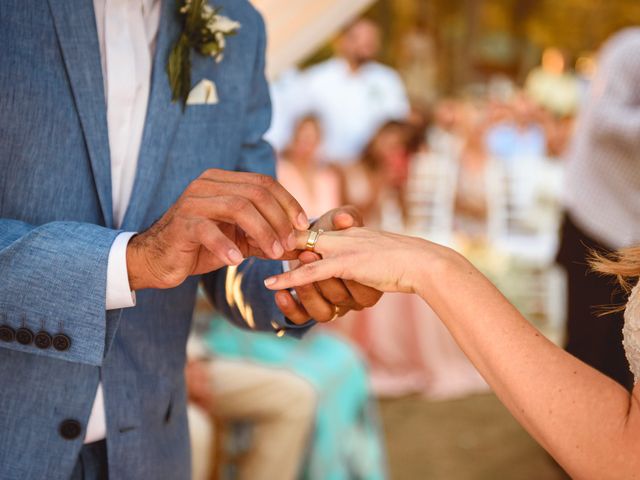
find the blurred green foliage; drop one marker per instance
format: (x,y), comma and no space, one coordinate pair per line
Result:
(475,38)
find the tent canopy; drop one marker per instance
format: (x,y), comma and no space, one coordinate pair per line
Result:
(298,27)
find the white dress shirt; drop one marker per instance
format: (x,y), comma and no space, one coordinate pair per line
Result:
(127,31)
(352,105)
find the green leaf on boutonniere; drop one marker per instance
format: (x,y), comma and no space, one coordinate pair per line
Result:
(179,70)
(203,30)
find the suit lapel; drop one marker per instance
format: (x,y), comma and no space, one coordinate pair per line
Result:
(75,24)
(161,123)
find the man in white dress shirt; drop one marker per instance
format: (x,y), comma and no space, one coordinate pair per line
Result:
(352,94)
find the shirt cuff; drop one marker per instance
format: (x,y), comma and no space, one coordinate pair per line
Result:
(119,294)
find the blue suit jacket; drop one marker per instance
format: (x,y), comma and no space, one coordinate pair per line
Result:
(56,229)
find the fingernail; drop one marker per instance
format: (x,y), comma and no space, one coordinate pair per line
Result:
(291,241)
(235,256)
(278,251)
(269,281)
(303,222)
(349,221)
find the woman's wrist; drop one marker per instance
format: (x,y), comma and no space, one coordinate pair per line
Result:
(435,264)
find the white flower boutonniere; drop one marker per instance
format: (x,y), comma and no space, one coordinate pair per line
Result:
(203,30)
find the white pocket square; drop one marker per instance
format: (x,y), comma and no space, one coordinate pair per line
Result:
(204,93)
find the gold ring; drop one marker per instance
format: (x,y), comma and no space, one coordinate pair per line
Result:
(336,313)
(312,240)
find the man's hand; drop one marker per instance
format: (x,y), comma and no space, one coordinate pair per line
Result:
(221,218)
(322,301)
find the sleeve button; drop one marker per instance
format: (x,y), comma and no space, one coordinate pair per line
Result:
(42,340)
(24,336)
(61,342)
(7,334)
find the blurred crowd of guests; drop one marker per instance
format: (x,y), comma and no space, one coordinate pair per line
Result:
(348,132)
(349,128)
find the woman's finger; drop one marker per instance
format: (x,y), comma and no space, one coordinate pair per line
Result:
(306,274)
(345,293)
(333,290)
(327,241)
(312,298)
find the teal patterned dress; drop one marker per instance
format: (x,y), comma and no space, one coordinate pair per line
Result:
(347,442)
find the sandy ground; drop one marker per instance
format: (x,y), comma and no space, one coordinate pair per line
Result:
(471,439)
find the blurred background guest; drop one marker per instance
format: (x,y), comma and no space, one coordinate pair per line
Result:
(376,183)
(315,186)
(346,441)
(418,66)
(603,197)
(471,201)
(278,405)
(519,134)
(352,94)
(444,137)
(286,106)
(586,66)
(405,345)
(552,86)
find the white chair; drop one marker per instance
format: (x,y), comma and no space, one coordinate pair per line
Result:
(431,193)
(523,222)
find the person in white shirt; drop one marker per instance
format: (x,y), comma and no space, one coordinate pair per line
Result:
(352,94)
(602,203)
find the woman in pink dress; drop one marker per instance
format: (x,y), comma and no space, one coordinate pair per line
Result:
(316,188)
(406,346)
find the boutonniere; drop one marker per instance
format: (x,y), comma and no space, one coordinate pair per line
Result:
(203,30)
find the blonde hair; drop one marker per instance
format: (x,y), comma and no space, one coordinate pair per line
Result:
(623,264)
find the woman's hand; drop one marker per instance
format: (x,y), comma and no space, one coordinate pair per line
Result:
(556,397)
(384,261)
(322,301)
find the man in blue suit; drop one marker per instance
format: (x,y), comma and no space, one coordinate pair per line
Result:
(92,373)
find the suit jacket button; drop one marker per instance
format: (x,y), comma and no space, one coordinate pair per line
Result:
(70,429)
(42,340)
(7,334)
(24,336)
(61,342)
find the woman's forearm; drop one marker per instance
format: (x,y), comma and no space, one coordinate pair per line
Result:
(587,421)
